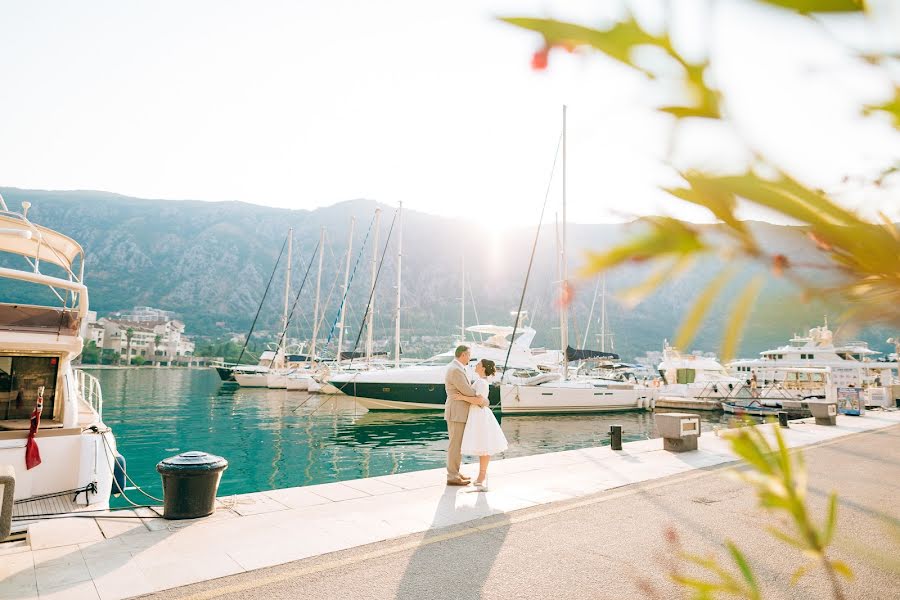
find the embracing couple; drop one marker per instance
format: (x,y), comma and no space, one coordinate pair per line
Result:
(472,426)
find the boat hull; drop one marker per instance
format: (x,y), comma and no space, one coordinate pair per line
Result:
(401,396)
(254,380)
(517,399)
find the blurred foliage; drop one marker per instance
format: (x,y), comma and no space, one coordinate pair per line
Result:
(860,265)
(780,483)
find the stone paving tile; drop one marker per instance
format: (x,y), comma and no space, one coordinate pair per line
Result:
(83,590)
(121,524)
(373,487)
(182,569)
(296,497)
(336,492)
(17,579)
(254,504)
(63,532)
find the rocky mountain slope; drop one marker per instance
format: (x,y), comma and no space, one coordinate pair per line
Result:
(210,262)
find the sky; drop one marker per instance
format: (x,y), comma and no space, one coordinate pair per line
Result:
(301,104)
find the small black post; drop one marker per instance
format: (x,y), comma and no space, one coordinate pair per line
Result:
(615,437)
(783,418)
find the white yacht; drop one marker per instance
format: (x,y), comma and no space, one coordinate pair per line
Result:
(692,376)
(38,344)
(421,386)
(851,364)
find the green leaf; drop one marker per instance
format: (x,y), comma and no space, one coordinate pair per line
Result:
(705,101)
(830,520)
(842,568)
(805,7)
(745,447)
(616,42)
(668,270)
(744,567)
(892,107)
(738,317)
(667,237)
(691,322)
(786,537)
(800,572)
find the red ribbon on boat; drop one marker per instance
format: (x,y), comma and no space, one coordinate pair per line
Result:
(32,453)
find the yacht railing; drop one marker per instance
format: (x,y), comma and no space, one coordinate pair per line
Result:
(89,388)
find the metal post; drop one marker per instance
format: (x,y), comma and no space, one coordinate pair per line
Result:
(615,437)
(783,418)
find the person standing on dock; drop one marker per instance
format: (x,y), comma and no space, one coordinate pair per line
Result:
(460,395)
(754,385)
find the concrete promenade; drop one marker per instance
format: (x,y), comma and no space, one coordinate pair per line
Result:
(549,527)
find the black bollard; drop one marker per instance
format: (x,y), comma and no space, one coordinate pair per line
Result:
(783,418)
(615,437)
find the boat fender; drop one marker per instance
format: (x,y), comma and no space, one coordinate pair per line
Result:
(119,475)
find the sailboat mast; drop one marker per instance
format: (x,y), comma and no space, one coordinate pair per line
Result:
(399,281)
(564,322)
(287,295)
(603,332)
(462,301)
(340,344)
(315,335)
(369,332)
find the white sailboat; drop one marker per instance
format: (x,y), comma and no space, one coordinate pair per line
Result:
(565,394)
(38,345)
(269,377)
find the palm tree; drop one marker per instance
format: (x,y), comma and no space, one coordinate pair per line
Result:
(129,333)
(156,340)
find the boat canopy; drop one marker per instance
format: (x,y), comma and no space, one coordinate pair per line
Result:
(499,334)
(573,354)
(18,236)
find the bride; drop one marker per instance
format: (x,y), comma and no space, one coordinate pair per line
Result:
(482,436)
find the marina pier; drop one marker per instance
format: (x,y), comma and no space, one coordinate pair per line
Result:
(405,522)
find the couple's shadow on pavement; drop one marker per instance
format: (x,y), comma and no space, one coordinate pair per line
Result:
(454,560)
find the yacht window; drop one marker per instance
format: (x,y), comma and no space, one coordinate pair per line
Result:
(686,375)
(20,378)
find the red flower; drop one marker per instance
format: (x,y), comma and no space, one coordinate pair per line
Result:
(539,60)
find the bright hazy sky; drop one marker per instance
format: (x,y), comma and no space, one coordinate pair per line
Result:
(302,104)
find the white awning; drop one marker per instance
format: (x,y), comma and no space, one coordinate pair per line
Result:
(36,242)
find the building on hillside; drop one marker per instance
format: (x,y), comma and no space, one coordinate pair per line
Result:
(144,314)
(161,341)
(95,333)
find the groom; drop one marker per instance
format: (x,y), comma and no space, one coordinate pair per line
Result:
(456,411)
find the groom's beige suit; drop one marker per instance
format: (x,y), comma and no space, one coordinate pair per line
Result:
(456,412)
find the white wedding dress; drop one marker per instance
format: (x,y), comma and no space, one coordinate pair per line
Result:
(482,435)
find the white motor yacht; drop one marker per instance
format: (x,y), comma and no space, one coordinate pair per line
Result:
(793,366)
(38,344)
(691,376)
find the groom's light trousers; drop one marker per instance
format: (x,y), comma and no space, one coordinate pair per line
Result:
(455,430)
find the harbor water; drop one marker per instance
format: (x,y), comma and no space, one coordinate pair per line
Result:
(277,439)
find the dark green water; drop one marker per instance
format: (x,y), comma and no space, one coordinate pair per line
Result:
(276,439)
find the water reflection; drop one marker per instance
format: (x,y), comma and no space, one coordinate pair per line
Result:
(274,438)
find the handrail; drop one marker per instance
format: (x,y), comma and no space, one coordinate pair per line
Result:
(90,390)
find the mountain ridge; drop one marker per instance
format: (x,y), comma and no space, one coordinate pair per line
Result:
(210,261)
